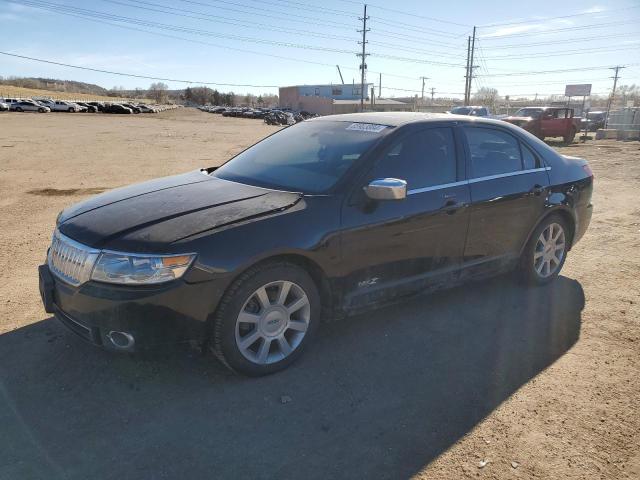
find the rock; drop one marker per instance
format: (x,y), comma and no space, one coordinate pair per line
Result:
(483,463)
(515,464)
(285,399)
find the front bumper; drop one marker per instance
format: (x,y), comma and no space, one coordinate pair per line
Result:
(171,313)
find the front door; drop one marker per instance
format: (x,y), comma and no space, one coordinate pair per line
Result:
(396,247)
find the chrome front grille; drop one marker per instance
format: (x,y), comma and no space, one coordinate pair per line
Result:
(71,261)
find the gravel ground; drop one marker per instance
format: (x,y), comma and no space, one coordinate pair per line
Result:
(490,380)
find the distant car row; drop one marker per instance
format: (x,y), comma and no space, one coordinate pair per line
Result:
(543,121)
(48,105)
(271,116)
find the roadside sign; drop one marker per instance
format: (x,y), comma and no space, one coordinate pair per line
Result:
(581,90)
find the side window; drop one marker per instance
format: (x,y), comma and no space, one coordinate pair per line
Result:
(424,159)
(529,159)
(492,152)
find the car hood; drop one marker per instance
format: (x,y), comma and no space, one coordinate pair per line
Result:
(149,216)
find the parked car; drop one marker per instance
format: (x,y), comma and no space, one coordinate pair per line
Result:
(145,108)
(89,108)
(336,214)
(593,121)
(472,111)
(45,102)
(132,107)
(4,107)
(28,106)
(116,108)
(97,105)
(64,106)
(547,122)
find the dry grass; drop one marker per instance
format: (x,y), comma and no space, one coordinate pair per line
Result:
(9,91)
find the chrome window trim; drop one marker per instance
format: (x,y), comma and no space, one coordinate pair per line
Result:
(414,191)
(436,187)
(509,174)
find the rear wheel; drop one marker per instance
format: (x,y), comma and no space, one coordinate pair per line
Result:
(41,110)
(568,138)
(19,109)
(546,251)
(71,109)
(265,319)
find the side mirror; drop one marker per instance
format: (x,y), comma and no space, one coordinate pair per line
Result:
(387,189)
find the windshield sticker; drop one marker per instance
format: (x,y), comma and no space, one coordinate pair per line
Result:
(366,127)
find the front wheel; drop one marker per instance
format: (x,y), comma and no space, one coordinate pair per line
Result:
(546,251)
(71,110)
(41,110)
(19,109)
(266,319)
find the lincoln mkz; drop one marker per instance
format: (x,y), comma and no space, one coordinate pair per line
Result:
(325,218)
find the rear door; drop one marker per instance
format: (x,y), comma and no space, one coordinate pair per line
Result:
(396,247)
(508,186)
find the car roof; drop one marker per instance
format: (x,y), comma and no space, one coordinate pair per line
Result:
(396,119)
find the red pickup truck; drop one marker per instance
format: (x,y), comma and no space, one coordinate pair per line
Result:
(547,122)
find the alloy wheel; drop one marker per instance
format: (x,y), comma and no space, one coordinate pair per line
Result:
(550,250)
(272,322)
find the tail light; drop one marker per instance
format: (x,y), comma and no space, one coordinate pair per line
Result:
(587,169)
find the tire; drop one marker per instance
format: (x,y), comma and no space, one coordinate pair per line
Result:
(277,328)
(72,110)
(19,109)
(41,110)
(568,138)
(537,255)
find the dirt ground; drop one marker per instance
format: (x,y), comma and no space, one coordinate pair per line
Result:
(489,380)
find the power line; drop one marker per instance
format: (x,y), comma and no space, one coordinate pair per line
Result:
(553,18)
(306,7)
(110,72)
(556,30)
(201,42)
(561,41)
(226,20)
(541,72)
(63,9)
(283,15)
(433,19)
(415,28)
(565,53)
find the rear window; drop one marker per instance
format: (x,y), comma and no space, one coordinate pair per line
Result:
(493,152)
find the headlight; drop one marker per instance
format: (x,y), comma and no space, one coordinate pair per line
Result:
(132,269)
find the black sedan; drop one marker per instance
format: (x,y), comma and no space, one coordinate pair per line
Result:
(325,218)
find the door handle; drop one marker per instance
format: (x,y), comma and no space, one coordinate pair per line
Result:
(537,190)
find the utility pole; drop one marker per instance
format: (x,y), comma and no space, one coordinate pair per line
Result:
(340,73)
(613,93)
(433,91)
(423,79)
(471,66)
(363,65)
(380,86)
(466,75)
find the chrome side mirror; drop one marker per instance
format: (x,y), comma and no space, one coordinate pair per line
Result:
(387,189)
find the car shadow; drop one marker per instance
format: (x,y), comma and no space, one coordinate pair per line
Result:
(379,395)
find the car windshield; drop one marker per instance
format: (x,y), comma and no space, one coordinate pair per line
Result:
(461,110)
(595,115)
(309,157)
(529,112)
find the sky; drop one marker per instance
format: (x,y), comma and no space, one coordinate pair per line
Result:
(271,43)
